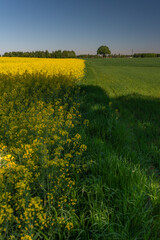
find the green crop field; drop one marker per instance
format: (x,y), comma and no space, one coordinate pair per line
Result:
(122,104)
(125,76)
(132,87)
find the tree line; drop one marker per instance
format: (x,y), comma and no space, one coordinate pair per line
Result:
(102,51)
(42,54)
(136,55)
(144,55)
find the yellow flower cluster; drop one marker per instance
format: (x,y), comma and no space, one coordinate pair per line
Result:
(66,67)
(40,149)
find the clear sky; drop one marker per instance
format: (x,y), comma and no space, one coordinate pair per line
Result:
(80,25)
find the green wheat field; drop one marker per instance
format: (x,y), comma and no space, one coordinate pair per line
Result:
(122,193)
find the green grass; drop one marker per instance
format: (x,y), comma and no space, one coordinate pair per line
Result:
(120,77)
(120,197)
(133,86)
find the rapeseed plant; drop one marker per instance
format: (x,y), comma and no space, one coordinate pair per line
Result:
(40,150)
(72,68)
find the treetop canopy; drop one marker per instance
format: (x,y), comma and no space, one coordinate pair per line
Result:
(103,50)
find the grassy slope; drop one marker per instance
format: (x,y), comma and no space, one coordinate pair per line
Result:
(123,138)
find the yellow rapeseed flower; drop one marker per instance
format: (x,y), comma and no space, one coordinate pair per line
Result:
(73,68)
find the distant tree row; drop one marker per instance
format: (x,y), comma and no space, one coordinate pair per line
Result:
(42,54)
(101,56)
(103,51)
(146,55)
(88,56)
(136,55)
(120,56)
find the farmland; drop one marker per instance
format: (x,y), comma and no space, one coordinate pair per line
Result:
(132,86)
(121,77)
(122,103)
(80,155)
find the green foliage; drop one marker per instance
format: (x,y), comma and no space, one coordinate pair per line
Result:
(68,54)
(103,50)
(145,55)
(42,54)
(58,54)
(88,56)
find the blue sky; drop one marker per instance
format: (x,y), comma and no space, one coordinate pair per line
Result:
(80,25)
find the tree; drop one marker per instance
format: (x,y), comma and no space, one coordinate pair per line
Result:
(58,54)
(68,54)
(65,54)
(103,50)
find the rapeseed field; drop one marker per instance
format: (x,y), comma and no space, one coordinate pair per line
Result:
(41,150)
(51,67)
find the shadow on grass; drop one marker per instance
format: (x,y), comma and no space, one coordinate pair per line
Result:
(130,125)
